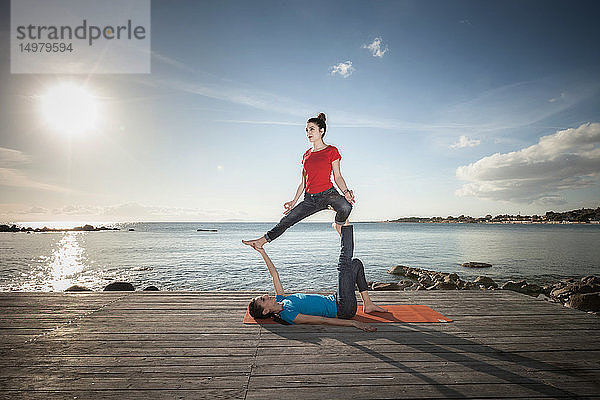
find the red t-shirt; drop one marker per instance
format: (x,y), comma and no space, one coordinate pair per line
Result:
(317,168)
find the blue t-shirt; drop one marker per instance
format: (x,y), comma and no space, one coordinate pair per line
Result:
(307,304)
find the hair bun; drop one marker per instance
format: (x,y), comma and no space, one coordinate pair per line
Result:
(321,116)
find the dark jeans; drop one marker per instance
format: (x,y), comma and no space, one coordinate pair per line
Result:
(351,273)
(311,204)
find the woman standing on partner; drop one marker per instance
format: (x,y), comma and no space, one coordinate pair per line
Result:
(315,183)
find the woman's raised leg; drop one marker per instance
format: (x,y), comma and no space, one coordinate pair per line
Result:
(346,298)
(302,210)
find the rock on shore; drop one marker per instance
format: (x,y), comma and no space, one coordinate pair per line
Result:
(119,286)
(423,279)
(583,294)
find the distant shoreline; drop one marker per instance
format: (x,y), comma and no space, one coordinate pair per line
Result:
(494,223)
(84,228)
(582,216)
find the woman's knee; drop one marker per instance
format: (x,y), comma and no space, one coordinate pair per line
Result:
(343,211)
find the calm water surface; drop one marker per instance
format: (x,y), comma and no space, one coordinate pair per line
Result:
(174,256)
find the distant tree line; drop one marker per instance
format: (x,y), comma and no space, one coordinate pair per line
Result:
(582,215)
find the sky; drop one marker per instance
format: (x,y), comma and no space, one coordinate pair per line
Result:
(437,107)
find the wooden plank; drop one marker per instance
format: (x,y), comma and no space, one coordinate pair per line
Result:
(592,343)
(193,344)
(111,361)
(200,366)
(139,394)
(431,390)
(591,340)
(131,382)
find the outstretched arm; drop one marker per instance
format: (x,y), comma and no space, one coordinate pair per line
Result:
(290,204)
(272,271)
(316,320)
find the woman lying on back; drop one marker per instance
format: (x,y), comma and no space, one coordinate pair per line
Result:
(303,308)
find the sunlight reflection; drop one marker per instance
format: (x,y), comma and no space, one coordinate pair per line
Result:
(66,262)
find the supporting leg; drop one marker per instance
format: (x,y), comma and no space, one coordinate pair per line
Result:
(368,305)
(363,288)
(346,298)
(342,209)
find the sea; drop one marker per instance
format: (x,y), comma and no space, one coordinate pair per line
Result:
(176,256)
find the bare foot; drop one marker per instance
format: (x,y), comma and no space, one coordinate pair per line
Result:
(256,244)
(338,228)
(370,308)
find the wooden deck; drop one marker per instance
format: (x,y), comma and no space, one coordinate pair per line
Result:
(191,345)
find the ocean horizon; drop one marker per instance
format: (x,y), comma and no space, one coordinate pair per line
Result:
(175,256)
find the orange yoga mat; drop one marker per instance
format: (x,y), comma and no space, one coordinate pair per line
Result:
(396,313)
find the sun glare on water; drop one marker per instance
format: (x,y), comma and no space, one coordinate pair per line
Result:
(70,108)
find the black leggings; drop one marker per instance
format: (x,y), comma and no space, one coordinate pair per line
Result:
(311,204)
(351,273)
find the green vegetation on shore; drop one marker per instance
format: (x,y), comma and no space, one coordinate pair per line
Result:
(584,215)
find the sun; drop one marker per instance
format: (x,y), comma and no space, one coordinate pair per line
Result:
(70,108)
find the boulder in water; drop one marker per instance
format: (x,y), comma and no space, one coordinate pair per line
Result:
(398,270)
(77,288)
(472,264)
(119,286)
(151,289)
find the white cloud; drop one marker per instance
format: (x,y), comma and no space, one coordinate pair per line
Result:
(239,94)
(344,69)
(297,108)
(241,121)
(464,141)
(37,210)
(119,212)
(561,97)
(77,210)
(11,175)
(520,104)
(9,157)
(376,49)
(566,160)
(170,61)
(146,212)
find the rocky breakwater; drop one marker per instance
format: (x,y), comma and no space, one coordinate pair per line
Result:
(423,279)
(84,228)
(583,294)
